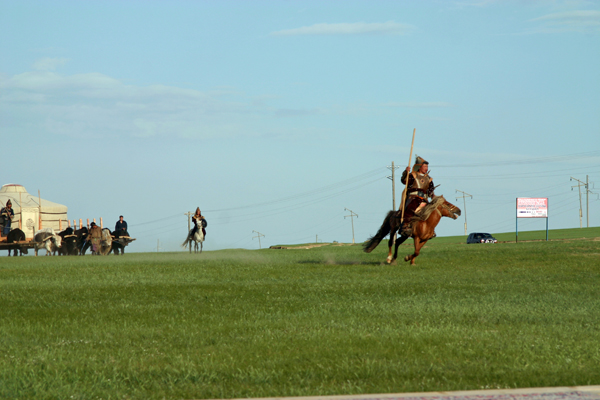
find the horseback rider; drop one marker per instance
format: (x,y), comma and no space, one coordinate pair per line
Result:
(198,217)
(418,189)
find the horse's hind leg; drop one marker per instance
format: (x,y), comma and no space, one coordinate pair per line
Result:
(399,241)
(390,244)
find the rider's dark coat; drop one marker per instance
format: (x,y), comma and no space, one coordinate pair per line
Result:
(198,217)
(6,217)
(418,189)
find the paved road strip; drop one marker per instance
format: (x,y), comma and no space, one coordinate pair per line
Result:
(549,393)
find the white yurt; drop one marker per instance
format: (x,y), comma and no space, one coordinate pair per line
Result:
(31,212)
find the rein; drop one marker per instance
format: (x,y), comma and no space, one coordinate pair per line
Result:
(446,207)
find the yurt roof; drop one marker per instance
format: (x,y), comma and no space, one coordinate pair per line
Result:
(19,197)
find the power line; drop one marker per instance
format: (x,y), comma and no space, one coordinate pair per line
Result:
(530,174)
(566,157)
(308,193)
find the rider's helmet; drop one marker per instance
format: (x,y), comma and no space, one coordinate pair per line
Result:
(419,161)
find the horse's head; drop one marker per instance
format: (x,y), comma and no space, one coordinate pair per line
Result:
(448,209)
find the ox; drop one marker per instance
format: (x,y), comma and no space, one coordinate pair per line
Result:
(47,239)
(105,242)
(81,240)
(116,246)
(15,236)
(69,243)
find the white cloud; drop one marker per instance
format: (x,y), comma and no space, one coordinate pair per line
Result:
(49,64)
(358,28)
(97,105)
(570,21)
(476,3)
(287,112)
(416,104)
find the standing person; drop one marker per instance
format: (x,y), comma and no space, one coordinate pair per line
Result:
(418,189)
(121,225)
(6,216)
(94,237)
(198,217)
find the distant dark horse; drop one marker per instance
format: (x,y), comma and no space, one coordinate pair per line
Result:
(423,228)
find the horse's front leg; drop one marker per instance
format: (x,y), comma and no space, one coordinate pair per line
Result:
(418,246)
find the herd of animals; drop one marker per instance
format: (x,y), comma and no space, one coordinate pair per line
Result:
(68,242)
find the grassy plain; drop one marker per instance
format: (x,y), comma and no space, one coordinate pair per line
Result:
(328,320)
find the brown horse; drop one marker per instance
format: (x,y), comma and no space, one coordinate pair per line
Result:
(424,224)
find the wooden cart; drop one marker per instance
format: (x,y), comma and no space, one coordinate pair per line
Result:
(20,246)
(119,244)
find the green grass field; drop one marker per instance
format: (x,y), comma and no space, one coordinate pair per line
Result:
(324,321)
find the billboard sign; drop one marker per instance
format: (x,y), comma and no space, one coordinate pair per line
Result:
(532,207)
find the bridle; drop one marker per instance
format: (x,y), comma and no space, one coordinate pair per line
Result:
(447,206)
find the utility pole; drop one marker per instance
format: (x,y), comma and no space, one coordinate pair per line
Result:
(464,196)
(580,211)
(258,235)
(393,178)
(352,215)
(189,214)
(586,185)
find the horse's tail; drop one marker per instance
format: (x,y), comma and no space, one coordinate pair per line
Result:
(187,239)
(370,244)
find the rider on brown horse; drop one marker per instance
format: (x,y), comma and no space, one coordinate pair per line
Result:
(418,189)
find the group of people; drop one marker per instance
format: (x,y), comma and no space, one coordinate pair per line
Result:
(7,214)
(95,232)
(419,188)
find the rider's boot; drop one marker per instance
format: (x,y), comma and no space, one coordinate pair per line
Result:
(406,229)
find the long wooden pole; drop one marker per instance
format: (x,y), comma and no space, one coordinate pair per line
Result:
(40,208)
(406,183)
(20,212)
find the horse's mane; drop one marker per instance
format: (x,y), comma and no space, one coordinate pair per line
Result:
(424,214)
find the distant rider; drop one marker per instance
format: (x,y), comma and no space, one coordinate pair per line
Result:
(198,217)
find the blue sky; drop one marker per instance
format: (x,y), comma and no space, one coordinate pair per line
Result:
(276,116)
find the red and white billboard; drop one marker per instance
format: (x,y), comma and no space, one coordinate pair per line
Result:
(532,207)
